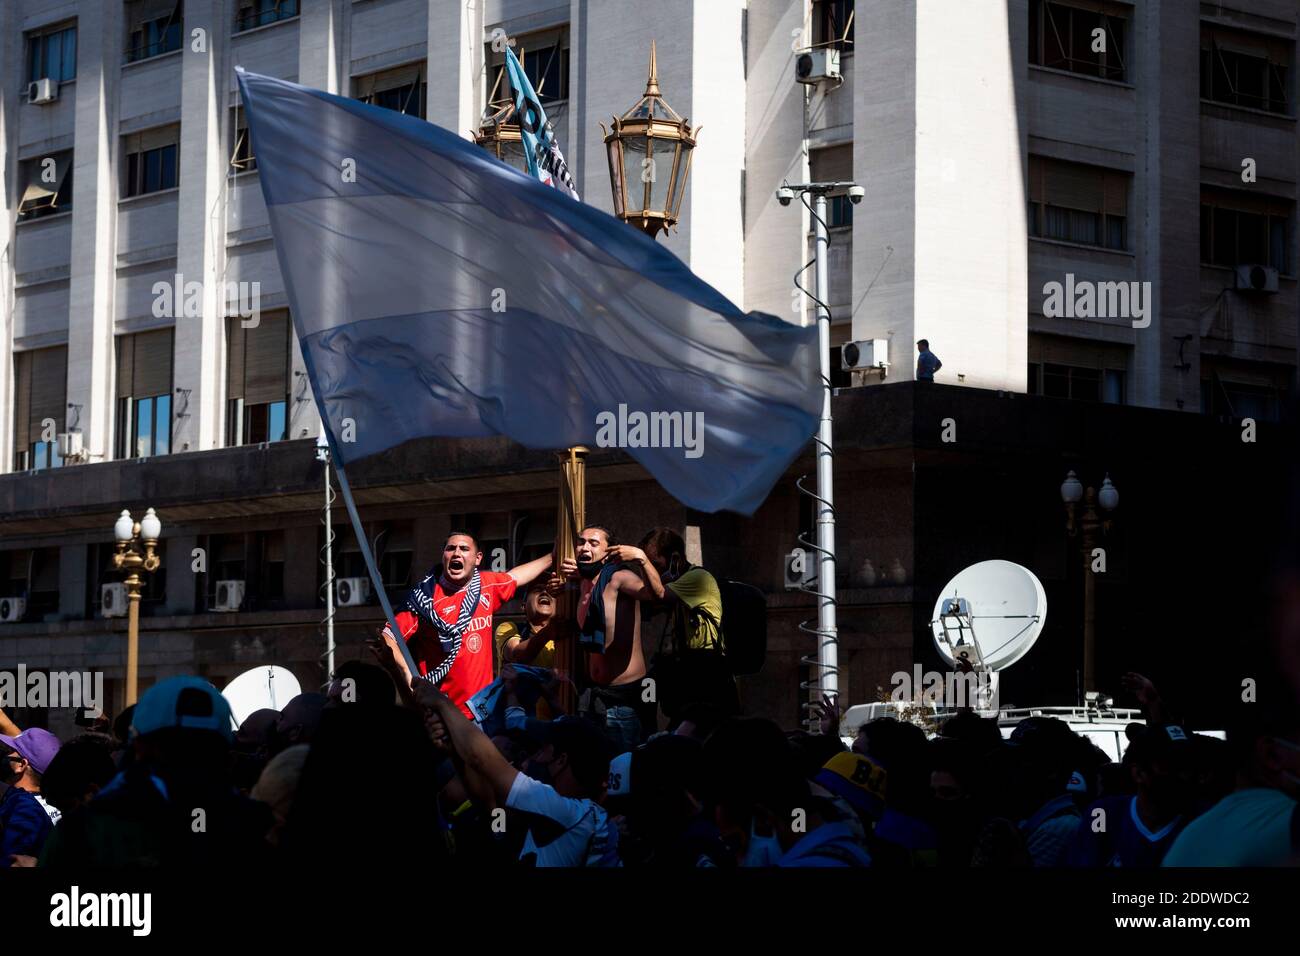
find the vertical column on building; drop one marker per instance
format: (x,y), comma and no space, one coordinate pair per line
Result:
(940,240)
(455,65)
(10,77)
(775,243)
(92,283)
(321,58)
(715,220)
(1167,196)
(196,364)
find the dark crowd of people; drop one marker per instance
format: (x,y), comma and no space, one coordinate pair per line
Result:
(490,752)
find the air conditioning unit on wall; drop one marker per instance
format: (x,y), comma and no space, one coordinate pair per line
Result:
(112,599)
(230,594)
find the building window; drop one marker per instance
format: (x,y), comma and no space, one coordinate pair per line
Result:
(47,186)
(32,574)
(144,399)
(401,90)
(270,576)
(545,59)
(833,24)
(151,161)
(227,561)
(834,164)
(1082,37)
(1071,202)
(40,397)
(154,27)
(258,13)
(1246,69)
(1239,229)
(242,159)
(1061,367)
(257,380)
(52,54)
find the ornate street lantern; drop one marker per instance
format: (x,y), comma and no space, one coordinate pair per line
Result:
(649,152)
(499,134)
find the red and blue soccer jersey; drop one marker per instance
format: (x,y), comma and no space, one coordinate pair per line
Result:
(472,670)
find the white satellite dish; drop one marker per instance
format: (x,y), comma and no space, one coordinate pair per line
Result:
(991,613)
(265,686)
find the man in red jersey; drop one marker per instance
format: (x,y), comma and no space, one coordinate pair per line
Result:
(447,620)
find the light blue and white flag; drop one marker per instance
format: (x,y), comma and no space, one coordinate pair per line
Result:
(438,292)
(545,161)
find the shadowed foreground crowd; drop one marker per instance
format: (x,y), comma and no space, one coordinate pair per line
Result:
(354,774)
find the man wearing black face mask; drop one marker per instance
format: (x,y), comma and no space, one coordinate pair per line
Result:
(613,581)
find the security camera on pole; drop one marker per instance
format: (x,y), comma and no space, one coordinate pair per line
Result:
(828,682)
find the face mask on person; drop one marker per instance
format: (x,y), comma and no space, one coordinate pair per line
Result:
(762,850)
(589,569)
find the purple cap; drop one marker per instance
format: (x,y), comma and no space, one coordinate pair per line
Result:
(34,745)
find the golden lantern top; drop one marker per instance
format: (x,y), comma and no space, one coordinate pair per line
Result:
(649,151)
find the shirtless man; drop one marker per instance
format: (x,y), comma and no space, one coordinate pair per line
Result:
(613,581)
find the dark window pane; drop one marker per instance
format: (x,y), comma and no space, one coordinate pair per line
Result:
(1115,232)
(1251,81)
(1114,56)
(1032,381)
(168,172)
(70,53)
(1114,387)
(1252,238)
(1084,227)
(1277,89)
(53,56)
(1207,233)
(33,59)
(1085,384)
(1056,36)
(1083,60)
(1056,381)
(255,423)
(1058,223)
(1277,245)
(152,170)
(1035,41)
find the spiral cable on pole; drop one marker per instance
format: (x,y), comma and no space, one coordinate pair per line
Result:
(326,628)
(813,688)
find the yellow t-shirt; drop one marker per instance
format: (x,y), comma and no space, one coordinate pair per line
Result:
(508,629)
(697,589)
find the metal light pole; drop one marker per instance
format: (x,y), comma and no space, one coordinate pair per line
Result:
(323,455)
(1092,522)
(828,674)
(131,535)
(828,646)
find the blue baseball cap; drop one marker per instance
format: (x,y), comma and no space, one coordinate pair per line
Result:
(189,702)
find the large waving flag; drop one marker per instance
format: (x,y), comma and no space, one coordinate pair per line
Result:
(438,292)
